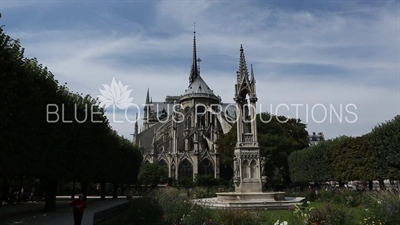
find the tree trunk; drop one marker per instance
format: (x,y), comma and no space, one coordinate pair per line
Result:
(370,185)
(102,191)
(21,183)
(84,189)
(73,190)
(382,185)
(115,190)
(50,195)
(3,189)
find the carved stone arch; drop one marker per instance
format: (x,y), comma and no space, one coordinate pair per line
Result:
(164,165)
(186,156)
(253,169)
(147,158)
(246,169)
(163,156)
(244,91)
(206,155)
(206,167)
(185,169)
(173,160)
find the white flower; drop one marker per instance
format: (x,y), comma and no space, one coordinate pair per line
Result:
(277,222)
(116,94)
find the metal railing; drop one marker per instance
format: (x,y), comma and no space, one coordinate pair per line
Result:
(102,216)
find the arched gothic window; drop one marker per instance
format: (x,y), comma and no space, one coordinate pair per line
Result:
(253,169)
(245,169)
(206,167)
(185,169)
(164,165)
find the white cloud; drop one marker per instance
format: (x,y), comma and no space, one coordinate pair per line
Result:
(352,55)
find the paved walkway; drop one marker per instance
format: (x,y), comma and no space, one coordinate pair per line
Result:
(32,212)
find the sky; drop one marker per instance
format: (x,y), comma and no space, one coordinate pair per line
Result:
(333,64)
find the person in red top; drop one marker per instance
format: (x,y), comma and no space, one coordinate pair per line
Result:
(79,205)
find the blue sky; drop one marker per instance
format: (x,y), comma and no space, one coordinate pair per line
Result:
(317,53)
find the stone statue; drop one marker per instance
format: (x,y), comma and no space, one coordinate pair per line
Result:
(262,164)
(236,166)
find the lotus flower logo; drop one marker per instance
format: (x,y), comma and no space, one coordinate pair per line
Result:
(115,94)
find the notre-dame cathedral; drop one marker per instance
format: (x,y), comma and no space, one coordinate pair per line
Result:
(180,133)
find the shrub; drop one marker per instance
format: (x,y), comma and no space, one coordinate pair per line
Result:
(348,197)
(329,215)
(371,221)
(384,206)
(231,216)
(311,196)
(201,192)
(147,209)
(303,213)
(174,203)
(326,196)
(205,181)
(198,215)
(141,210)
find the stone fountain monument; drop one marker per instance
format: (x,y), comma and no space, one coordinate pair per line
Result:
(249,177)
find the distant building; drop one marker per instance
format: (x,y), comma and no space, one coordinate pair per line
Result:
(180,133)
(314,139)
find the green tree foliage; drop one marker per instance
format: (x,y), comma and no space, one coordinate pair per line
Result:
(51,133)
(352,159)
(225,146)
(385,145)
(278,136)
(311,164)
(373,156)
(152,174)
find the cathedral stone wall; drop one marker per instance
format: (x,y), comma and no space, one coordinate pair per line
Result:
(180,133)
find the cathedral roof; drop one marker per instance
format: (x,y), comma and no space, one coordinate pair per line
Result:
(199,88)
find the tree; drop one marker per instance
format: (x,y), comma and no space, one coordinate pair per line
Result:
(152,174)
(36,143)
(312,164)
(352,159)
(385,145)
(278,136)
(225,146)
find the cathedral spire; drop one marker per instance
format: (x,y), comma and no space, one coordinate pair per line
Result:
(252,79)
(136,131)
(194,72)
(242,72)
(147,96)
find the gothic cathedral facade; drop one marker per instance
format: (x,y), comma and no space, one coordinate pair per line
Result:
(180,133)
